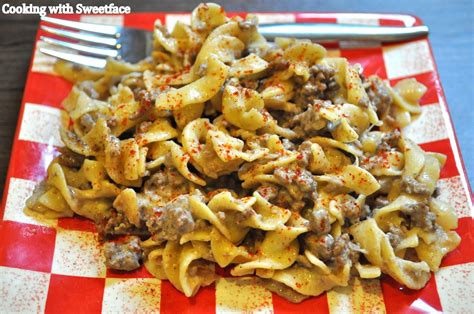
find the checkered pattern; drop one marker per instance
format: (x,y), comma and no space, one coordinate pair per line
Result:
(57,265)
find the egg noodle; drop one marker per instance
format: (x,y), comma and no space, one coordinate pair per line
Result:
(272,159)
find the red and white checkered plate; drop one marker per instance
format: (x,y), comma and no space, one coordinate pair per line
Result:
(57,266)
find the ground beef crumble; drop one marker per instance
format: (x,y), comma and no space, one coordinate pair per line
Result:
(125,254)
(171,221)
(420,216)
(411,186)
(319,221)
(389,140)
(320,85)
(164,185)
(299,185)
(309,122)
(379,95)
(335,252)
(395,236)
(118,225)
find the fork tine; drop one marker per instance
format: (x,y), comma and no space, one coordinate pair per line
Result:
(89,27)
(87,49)
(81,36)
(83,60)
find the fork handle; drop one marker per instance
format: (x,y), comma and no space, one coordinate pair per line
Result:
(336,32)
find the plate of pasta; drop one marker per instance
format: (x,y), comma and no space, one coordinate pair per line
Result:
(227,173)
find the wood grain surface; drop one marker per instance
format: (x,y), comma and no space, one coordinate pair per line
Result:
(451,24)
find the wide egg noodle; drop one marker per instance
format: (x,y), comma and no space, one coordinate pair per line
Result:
(380,253)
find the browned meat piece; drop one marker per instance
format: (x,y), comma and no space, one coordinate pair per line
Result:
(282,290)
(285,200)
(309,122)
(268,191)
(123,255)
(420,215)
(118,225)
(389,140)
(320,85)
(69,158)
(172,221)
(319,221)
(253,240)
(165,185)
(412,186)
(341,251)
(336,252)
(395,236)
(301,178)
(353,211)
(305,154)
(146,99)
(379,95)
(320,246)
(299,184)
(279,64)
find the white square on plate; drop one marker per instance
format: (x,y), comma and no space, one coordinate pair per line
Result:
(407,59)
(455,285)
(362,296)
(41,124)
(22,291)
(78,253)
(131,295)
(19,191)
(232,297)
(451,191)
(431,122)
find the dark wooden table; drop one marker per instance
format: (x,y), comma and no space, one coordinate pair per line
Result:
(451,24)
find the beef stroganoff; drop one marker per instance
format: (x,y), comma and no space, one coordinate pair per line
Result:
(272,159)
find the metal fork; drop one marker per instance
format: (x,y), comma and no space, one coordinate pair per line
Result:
(132,45)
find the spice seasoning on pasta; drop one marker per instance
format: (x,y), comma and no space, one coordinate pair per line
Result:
(272,159)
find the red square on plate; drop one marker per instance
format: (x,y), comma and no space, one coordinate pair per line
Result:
(38,155)
(68,294)
(400,299)
(458,256)
(174,301)
(36,93)
(371,60)
(77,223)
(26,246)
